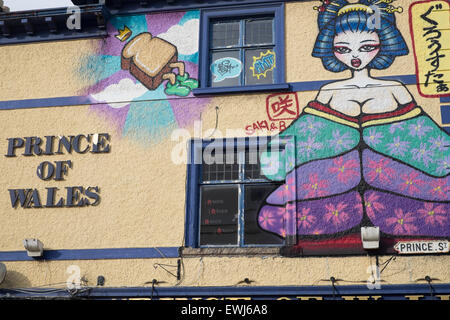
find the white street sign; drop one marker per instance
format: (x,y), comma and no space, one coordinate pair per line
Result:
(423,246)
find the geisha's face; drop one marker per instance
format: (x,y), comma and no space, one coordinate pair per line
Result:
(356,49)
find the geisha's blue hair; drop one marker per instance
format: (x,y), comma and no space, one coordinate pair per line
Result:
(330,24)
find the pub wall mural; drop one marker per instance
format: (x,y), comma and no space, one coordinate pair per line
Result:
(366,153)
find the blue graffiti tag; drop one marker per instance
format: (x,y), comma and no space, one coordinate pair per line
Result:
(265,62)
(226,68)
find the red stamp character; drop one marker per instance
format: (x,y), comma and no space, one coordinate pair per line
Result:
(282,106)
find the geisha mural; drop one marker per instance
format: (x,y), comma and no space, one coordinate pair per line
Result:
(366,153)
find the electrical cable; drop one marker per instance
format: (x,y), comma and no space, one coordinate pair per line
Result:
(217,123)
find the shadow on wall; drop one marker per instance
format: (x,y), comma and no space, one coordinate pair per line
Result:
(15,279)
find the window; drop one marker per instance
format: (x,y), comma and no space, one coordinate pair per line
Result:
(225,190)
(242,50)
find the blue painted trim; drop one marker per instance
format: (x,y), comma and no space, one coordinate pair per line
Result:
(190,5)
(192,195)
(83,100)
(242,89)
(387,292)
(447,129)
(280,44)
(275,9)
(45,102)
(445,99)
(94,254)
(445,114)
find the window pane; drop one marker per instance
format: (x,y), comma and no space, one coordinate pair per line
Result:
(252,169)
(225,34)
(226,69)
(259,66)
(258,32)
(219,164)
(219,215)
(253,232)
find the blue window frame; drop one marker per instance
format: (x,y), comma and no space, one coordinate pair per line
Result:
(242,50)
(225,190)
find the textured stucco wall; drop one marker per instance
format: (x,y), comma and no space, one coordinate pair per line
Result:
(229,271)
(142,191)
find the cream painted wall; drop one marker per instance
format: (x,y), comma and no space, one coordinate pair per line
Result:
(264,271)
(142,190)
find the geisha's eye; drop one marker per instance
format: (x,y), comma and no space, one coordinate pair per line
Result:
(342,50)
(369,47)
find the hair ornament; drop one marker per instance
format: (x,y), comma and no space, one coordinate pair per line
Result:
(383,1)
(389,8)
(392,9)
(355,7)
(368,9)
(325,6)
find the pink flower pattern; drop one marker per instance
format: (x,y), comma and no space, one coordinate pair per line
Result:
(315,187)
(380,170)
(345,170)
(304,219)
(372,205)
(440,189)
(268,218)
(336,214)
(433,214)
(410,183)
(403,222)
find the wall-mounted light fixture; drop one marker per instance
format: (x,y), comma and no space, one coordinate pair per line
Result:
(370,237)
(34,247)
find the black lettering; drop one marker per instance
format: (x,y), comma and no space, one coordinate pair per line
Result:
(74,197)
(35,199)
(100,146)
(93,195)
(66,143)
(51,199)
(13,144)
(48,145)
(19,195)
(32,145)
(40,171)
(61,169)
(76,143)
(426,14)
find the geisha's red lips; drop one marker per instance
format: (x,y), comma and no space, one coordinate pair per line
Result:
(356,63)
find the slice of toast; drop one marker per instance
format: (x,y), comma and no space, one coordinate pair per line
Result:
(148,58)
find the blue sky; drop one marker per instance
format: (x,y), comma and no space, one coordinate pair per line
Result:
(20,5)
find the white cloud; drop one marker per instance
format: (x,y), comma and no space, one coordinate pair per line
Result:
(184,37)
(120,94)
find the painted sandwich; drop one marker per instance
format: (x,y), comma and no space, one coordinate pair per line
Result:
(151,60)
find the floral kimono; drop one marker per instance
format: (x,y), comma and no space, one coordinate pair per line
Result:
(389,170)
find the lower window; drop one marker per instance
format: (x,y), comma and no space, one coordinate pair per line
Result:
(226,190)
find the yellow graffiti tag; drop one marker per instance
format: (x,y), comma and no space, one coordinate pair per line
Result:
(430,29)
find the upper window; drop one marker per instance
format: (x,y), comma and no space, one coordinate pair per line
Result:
(242,50)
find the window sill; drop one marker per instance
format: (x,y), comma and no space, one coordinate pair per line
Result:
(242,89)
(227,251)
